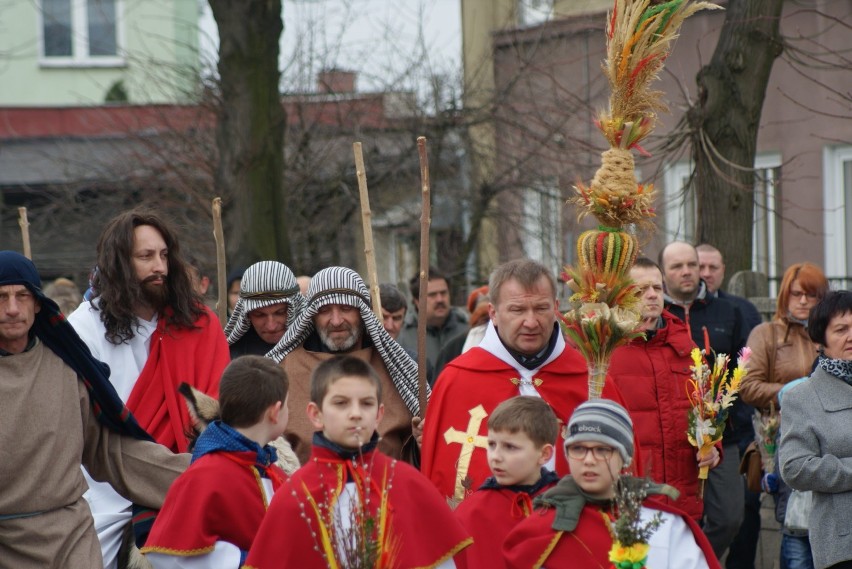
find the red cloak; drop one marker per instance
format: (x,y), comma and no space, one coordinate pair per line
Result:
(534,542)
(196,356)
(489,514)
(469,389)
(218,498)
(415,510)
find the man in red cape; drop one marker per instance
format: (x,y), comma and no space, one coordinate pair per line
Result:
(523,353)
(148,324)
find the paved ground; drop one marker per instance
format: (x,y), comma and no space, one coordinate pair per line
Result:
(770,536)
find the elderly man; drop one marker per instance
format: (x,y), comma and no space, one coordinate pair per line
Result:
(652,373)
(338,320)
(151,327)
(522,353)
(269,300)
(58,410)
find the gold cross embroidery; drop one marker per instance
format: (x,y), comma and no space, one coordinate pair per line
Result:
(469,441)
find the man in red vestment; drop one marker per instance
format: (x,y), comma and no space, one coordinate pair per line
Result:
(523,353)
(147,322)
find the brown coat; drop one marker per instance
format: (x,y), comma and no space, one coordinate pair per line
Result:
(781,352)
(47,428)
(394,429)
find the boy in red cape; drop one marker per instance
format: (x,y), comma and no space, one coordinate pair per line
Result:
(350,498)
(571,526)
(521,433)
(214,509)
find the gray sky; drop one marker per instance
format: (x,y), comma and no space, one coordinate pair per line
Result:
(391,43)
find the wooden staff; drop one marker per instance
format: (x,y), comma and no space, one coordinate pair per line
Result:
(221,277)
(425,222)
(366,222)
(25,232)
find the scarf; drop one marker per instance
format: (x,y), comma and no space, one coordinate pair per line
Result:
(547,477)
(219,437)
(841,369)
(569,500)
(60,337)
(339,285)
(264,284)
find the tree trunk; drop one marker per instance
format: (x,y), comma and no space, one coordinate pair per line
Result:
(250,129)
(724,126)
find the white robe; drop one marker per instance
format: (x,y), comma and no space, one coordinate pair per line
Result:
(126,361)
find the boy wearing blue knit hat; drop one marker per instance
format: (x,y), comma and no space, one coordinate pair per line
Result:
(573,525)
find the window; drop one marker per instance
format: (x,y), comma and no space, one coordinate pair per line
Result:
(837,200)
(80,32)
(680,212)
(532,12)
(541,224)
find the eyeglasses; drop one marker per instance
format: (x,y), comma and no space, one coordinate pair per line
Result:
(579,452)
(797,294)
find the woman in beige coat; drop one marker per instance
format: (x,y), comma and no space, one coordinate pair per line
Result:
(781,348)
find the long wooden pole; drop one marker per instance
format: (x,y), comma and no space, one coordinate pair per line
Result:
(425,222)
(25,232)
(367,223)
(221,274)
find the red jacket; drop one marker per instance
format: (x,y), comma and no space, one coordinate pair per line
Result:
(652,376)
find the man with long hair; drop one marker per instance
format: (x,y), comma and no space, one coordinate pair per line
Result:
(147,322)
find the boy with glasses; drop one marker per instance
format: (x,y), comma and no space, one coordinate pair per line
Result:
(572,524)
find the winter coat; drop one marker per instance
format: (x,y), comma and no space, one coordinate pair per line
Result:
(652,376)
(781,351)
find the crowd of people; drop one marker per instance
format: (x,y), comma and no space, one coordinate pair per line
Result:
(316,455)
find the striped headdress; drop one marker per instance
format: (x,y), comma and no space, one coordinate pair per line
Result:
(339,285)
(264,284)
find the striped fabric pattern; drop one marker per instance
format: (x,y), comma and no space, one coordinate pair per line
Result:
(339,285)
(264,284)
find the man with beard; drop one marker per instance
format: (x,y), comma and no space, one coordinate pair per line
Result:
(147,322)
(338,320)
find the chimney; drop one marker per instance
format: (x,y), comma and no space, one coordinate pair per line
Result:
(336,81)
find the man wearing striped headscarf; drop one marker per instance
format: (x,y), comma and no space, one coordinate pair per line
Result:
(269,301)
(338,320)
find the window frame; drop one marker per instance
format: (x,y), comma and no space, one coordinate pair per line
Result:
(80,39)
(834,211)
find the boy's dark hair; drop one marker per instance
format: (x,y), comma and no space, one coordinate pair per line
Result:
(331,370)
(249,386)
(434,275)
(529,415)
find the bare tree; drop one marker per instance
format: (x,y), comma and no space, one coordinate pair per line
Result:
(724,124)
(250,129)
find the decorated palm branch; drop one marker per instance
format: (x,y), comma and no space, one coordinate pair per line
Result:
(640,34)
